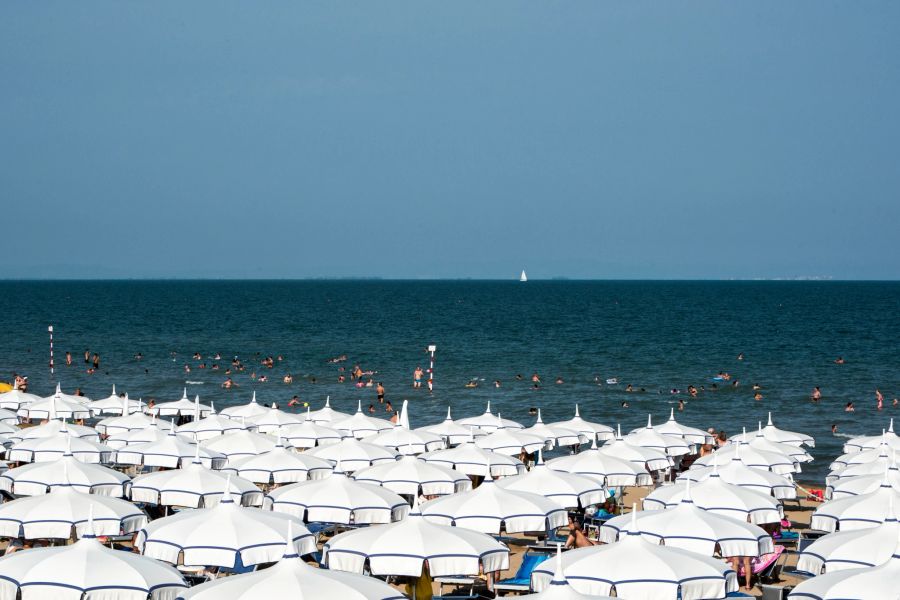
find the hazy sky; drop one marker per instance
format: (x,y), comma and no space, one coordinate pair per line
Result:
(450,139)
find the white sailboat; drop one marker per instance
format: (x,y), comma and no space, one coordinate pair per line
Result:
(523,277)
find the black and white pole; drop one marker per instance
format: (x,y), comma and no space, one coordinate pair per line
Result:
(431,349)
(50,329)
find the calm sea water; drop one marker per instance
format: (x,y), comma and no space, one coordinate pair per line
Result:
(653,335)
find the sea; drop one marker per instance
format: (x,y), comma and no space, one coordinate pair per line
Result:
(656,336)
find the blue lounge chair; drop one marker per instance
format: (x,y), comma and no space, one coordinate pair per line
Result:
(521,582)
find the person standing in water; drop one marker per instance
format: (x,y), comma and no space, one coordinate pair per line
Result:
(379,389)
(417,377)
(816,394)
(879,399)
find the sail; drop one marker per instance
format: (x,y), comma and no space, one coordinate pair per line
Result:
(523,277)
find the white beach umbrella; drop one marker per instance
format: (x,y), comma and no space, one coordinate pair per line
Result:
(751,457)
(308,434)
(180,408)
(211,426)
(451,431)
(326,415)
(737,473)
(639,570)
(608,470)
(758,441)
(56,406)
(648,437)
(226,535)
(50,448)
(878,458)
(410,476)
(489,422)
(337,499)
(76,398)
(598,430)
(241,444)
(876,467)
(565,489)
(469,459)
(280,465)
(86,570)
(856,512)
(650,459)
(689,527)
(862,484)
(170,452)
(490,509)
(16,398)
(772,433)
(511,441)
(404,440)
(402,549)
(293,579)
(8,418)
(52,428)
(54,515)
(559,588)
(875,583)
(43,477)
(852,549)
(193,486)
(353,454)
(273,420)
(868,442)
(360,425)
(691,435)
(716,496)
(245,411)
(112,405)
(556,435)
(154,433)
(131,422)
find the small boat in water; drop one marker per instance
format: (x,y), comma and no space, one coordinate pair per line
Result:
(523,277)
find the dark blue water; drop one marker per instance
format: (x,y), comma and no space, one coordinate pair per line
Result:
(653,335)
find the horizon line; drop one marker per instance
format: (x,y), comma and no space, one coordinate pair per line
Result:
(783,279)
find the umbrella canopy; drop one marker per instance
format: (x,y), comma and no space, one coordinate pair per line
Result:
(402,548)
(469,459)
(591,430)
(489,422)
(608,470)
(565,489)
(273,420)
(856,512)
(43,477)
(50,429)
(852,549)
(337,499)
(136,420)
(866,442)
(293,579)
(862,484)
(224,536)
(876,583)
(54,515)
(737,473)
(451,431)
(241,444)
(353,454)
(689,527)
(407,441)
(773,434)
(193,486)
(280,465)
(650,438)
(650,459)
(136,437)
(559,588)
(10,418)
(245,411)
(181,408)
(51,448)
(490,508)
(172,451)
(78,399)
(751,457)
(360,425)
(760,442)
(637,569)
(855,464)
(308,434)
(210,427)
(556,435)
(54,407)
(691,435)
(87,570)
(511,441)
(326,415)
(16,398)
(113,405)
(411,476)
(720,498)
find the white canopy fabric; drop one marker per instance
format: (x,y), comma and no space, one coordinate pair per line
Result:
(54,407)
(280,465)
(360,425)
(876,583)
(490,508)
(565,489)
(856,512)
(273,420)
(326,415)
(751,457)
(650,459)
(639,570)
(591,430)
(760,442)
(135,437)
(451,431)
(648,437)
(410,475)
(772,433)
(511,442)
(172,451)
(556,435)
(118,425)
(469,459)
(43,477)
(248,411)
(51,448)
(559,588)
(50,429)
(309,434)
(86,570)
(241,444)
(16,398)
(720,498)
(180,408)
(210,427)
(337,499)
(225,535)
(489,422)
(862,484)
(292,579)
(691,528)
(407,441)
(54,515)
(737,473)
(867,462)
(9,419)
(691,435)
(852,549)
(353,454)
(608,470)
(402,548)
(114,405)
(866,442)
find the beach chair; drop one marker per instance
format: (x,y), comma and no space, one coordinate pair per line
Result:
(521,581)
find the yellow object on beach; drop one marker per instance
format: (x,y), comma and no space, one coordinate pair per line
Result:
(5,387)
(423,587)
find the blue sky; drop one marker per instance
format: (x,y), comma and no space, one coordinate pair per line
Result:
(449,139)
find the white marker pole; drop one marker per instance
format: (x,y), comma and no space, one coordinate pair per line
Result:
(431,349)
(50,329)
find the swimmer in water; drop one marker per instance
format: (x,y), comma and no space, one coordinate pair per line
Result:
(559,380)
(849,407)
(625,405)
(757,396)
(839,360)
(879,399)
(532,411)
(680,404)
(816,394)
(740,356)
(833,428)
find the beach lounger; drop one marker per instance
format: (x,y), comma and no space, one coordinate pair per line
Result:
(521,581)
